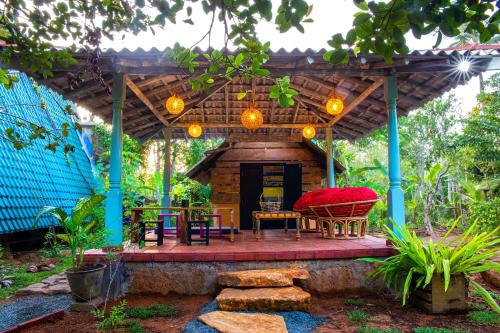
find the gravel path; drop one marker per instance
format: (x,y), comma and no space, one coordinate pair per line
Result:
(26,308)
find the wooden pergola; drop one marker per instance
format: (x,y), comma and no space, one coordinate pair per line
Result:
(374,94)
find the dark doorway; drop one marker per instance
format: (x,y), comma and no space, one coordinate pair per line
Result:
(252,185)
(250,191)
(292,188)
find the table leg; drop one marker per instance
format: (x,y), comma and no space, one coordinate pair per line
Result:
(297,235)
(286,225)
(257,234)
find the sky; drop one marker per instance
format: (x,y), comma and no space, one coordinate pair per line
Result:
(330,17)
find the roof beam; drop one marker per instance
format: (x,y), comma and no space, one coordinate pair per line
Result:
(356,101)
(239,125)
(201,99)
(137,91)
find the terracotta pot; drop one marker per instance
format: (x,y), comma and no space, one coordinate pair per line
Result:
(86,284)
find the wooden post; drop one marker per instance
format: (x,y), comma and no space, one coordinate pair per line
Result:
(165,199)
(395,195)
(185,218)
(114,199)
(330,165)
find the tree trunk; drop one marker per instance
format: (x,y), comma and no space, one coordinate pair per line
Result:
(427,220)
(481,82)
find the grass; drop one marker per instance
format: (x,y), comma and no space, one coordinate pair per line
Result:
(353,301)
(370,329)
(357,316)
(23,279)
(493,294)
(483,317)
(438,330)
(132,326)
(151,311)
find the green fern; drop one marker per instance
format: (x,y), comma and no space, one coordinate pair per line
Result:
(416,262)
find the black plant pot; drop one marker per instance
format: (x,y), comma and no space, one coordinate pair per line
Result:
(86,284)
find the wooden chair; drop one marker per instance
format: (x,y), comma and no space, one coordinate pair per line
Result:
(345,220)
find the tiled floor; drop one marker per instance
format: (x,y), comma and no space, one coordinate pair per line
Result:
(274,245)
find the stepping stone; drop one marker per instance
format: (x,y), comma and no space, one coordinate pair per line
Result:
(264,299)
(233,322)
(262,278)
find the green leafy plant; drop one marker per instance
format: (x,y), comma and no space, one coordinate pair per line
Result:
(151,311)
(133,326)
(370,329)
(416,262)
(484,317)
(353,301)
(78,227)
(357,316)
(115,318)
(438,330)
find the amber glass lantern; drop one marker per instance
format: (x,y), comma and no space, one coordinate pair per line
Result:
(195,130)
(252,118)
(174,104)
(308,132)
(334,106)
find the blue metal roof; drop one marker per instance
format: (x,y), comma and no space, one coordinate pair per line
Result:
(34,177)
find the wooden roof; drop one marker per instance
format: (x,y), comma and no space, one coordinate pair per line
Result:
(151,79)
(201,170)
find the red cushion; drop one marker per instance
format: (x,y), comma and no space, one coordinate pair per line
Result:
(336,195)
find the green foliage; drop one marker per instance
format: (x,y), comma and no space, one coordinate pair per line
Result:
(479,142)
(484,317)
(152,311)
(370,329)
(438,330)
(132,326)
(354,301)
(357,316)
(487,213)
(114,319)
(51,248)
(416,262)
(380,26)
(79,228)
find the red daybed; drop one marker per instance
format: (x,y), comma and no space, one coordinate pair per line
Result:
(336,210)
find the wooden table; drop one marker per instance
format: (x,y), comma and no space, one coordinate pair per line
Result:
(260,215)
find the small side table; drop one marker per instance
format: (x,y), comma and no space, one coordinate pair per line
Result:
(260,215)
(204,236)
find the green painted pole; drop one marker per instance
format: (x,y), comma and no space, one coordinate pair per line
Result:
(165,199)
(330,164)
(395,195)
(114,200)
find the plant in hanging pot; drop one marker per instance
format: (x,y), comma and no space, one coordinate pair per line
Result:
(436,275)
(81,233)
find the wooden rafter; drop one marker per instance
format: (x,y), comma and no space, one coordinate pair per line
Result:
(137,91)
(201,99)
(356,101)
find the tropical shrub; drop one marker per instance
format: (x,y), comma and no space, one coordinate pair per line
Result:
(487,213)
(79,228)
(416,262)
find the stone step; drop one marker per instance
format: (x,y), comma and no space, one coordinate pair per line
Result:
(262,278)
(264,299)
(233,322)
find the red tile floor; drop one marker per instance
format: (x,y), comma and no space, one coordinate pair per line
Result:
(274,245)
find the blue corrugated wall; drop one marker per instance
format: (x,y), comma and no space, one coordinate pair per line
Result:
(34,177)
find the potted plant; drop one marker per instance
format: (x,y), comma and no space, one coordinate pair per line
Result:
(437,275)
(80,234)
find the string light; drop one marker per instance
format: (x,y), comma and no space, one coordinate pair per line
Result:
(195,130)
(308,132)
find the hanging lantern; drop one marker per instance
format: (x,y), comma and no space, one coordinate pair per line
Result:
(174,104)
(308,132)
(334,106)
(252,118)
(195,130)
